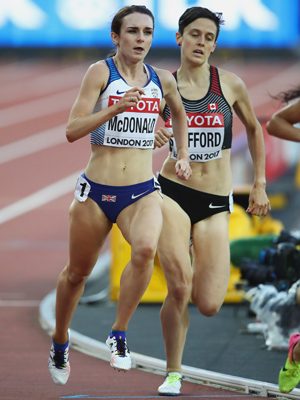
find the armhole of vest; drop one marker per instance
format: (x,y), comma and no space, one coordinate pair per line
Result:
(154,74)
(107,61)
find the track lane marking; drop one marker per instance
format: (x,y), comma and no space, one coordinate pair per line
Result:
(39,198)
(19,303)
(48,82)
(181,396)
(38,108)
(32,144)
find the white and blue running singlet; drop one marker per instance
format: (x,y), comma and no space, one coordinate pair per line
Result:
(209,123)
(134,127)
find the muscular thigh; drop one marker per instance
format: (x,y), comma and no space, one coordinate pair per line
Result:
(211,258)
(88,230)
(142,220)
(173,245)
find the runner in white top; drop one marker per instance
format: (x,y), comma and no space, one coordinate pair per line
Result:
(118,175)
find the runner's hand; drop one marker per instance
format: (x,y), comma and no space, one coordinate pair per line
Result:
(162,136)
(130,99)
(259,203)
(183,169)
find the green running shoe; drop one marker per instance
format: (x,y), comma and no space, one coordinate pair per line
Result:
(289,375)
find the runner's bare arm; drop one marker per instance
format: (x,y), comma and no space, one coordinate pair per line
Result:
(179,122)
(82,121)
(162,136)
(282,123)
(258,201)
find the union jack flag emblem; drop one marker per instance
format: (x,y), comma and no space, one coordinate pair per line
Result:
(109,198)
(212,106)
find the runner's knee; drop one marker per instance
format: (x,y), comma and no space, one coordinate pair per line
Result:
(75,278)
(208,309)
(180,291)
(143,252)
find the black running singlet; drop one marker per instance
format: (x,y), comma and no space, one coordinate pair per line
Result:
(209,123)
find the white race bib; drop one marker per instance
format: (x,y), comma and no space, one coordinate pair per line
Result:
(205,136)
(82,189)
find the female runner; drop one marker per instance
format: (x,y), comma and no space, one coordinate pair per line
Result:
(118,105)
(203,203)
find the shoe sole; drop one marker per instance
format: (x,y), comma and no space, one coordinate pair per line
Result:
(119,369)
(169,394)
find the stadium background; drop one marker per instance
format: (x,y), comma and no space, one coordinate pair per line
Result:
(45,49)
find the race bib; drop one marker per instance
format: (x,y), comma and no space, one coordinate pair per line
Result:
(135,127)
(205,136)
(82,189)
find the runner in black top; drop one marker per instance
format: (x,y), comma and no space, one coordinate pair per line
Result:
(203,203)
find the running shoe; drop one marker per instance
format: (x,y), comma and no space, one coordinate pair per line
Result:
(289,375)
(120,354)
(171,385)
(58,363)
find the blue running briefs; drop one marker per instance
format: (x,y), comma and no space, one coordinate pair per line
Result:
(113,199)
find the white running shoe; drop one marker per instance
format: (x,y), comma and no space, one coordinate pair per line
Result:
(171,385)
(120,354)
(58,363)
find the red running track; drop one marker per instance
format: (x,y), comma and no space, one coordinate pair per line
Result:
(35,100)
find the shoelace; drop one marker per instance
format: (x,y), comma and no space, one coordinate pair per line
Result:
(121,347)
(59,359)
(294,372)
(173,379)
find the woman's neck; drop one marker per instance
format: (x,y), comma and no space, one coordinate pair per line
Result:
(128,68)
(193,75)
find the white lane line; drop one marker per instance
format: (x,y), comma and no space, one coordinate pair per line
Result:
(16,71)
(48,82)
(19,244)
(12,295)
(39,198)
(33,144)
(19,303)
(38,108)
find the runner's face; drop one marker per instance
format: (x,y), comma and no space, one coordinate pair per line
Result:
(198,40)
(136,35)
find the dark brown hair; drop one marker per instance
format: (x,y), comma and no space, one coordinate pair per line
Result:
(118,18)
(193,13)
(289,95)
